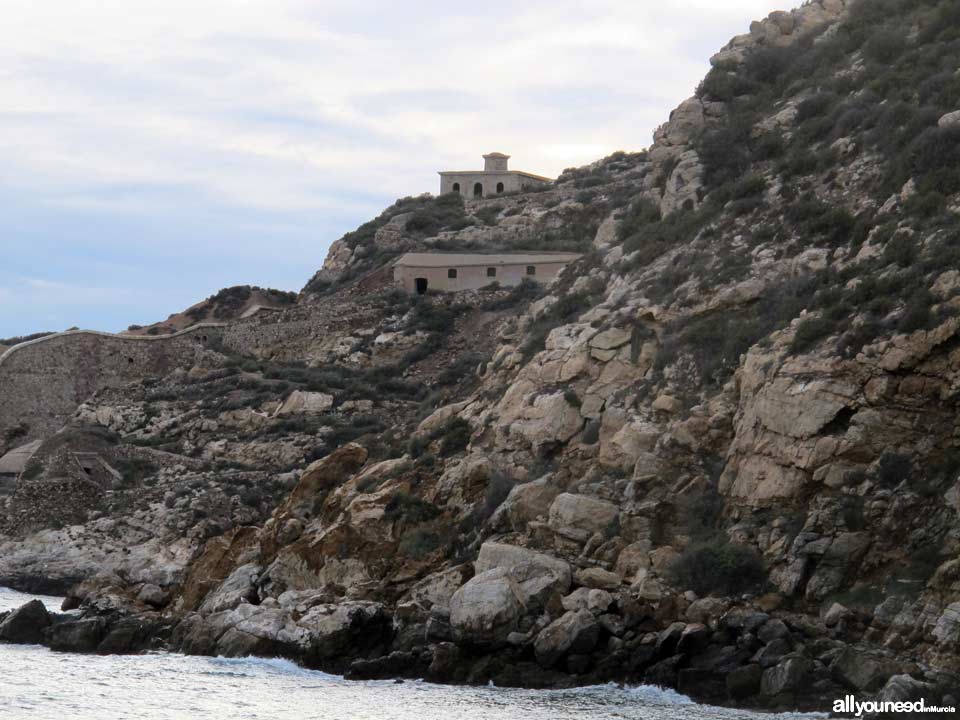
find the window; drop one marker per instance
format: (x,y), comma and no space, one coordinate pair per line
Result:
(531,269)
(456,187)
(478,190)
(452,273)
(499,187)
(491,272)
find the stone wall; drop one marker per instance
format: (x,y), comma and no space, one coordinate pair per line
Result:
(43,381)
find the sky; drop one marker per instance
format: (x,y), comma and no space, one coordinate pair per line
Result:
(152,153)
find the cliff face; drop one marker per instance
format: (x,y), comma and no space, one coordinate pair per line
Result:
(719,453)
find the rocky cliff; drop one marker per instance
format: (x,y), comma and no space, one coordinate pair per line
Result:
(719,453)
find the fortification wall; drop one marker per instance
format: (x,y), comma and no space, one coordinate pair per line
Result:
(43,381)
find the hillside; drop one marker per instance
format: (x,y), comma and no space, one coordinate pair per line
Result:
(717,454)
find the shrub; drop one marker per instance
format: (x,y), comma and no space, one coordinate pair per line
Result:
(809,331)
(418,543)
(411,509)
(489,214)
(885,45)
(749,186)
(454,437)
(723,568)
(816,106)
(434,215)
(916,315)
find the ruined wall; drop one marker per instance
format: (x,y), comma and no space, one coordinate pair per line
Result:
(43,381)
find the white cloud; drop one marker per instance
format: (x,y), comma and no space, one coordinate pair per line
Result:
(182,93)
(234,125)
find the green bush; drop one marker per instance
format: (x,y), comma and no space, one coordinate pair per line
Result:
(809,331)
(885,45)
(718,568)
(489,214)
(454,437)
(417,543)
(410,509)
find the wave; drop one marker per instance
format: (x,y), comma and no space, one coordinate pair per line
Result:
(273,665)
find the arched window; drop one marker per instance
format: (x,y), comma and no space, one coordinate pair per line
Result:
(499,187)
(452,273)
(491,272)
(456,187)
(478,189)
(531,269)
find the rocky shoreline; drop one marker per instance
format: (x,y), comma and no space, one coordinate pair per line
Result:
(725,654)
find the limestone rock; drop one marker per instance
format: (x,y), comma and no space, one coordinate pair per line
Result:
(595,600)
(240,586)
(153,595)
(859,671)
(486,609)
(536,575)
(575,632)
(595,577)
(610,339)
(525,503)
(300,402)
(580,516)
(950,120)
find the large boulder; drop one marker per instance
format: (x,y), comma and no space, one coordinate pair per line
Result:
(78,636)
(487,608)
(859,671)
(300,402)
(537,575)
(26,624)
(575,632)
(542,423)
(579,516)
(790,676)
(526,502)
(240,586)
(336,631)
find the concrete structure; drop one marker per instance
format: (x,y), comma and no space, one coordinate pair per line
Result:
(494,179)
(14,463)
(419,272)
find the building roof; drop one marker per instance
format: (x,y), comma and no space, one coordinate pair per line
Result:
(495,172)
(496,155)
(440,259)
(14,462)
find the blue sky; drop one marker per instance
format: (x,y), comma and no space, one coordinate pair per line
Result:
(154,152)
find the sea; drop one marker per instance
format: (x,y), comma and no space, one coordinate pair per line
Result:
(36,683)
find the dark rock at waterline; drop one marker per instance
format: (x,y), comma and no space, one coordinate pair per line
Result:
(134,634)
(445,665)
(664,673)
(702,683)
(26,624)
(70,602)
(80,636)
(395,665)
(744,681)
(30,584)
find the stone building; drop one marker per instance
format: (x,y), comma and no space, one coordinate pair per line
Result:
(419,272)
(494,179)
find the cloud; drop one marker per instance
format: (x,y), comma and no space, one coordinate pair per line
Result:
(128,123)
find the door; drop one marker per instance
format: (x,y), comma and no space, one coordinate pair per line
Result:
(421,284)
